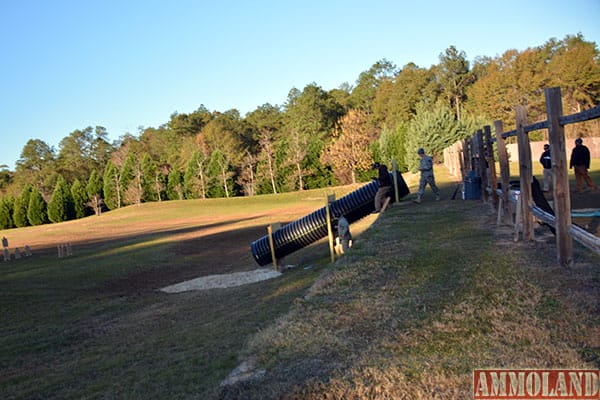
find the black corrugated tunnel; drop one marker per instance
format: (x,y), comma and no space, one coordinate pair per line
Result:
(313,227)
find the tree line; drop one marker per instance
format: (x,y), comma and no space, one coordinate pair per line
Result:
(317,138)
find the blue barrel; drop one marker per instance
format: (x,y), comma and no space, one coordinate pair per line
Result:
(472,186)
(313,227)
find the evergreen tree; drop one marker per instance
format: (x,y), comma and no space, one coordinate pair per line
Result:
(112,186)
(152,184)
(6,213)
(60,206)
(37,212)
(433,129)
(21,206)
(454,76)
(218,169)
(80,199)
(93,190)
(175,186)
(391,146)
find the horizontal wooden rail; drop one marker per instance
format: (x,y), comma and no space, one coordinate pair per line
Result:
(584,237)
(585,115)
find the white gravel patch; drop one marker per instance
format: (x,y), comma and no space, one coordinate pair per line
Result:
(223,281)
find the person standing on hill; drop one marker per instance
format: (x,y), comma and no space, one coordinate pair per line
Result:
(546,162)
(580,162)
(426,168)
(385,184)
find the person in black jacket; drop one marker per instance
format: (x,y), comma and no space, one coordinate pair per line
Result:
(546,162)
(580,162)
(385,184)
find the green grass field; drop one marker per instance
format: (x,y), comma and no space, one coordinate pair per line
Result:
(428,293)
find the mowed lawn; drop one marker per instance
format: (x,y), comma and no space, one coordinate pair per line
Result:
(95,325)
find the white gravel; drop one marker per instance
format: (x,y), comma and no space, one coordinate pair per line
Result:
(223,281)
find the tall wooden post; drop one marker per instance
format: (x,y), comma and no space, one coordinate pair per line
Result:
(560,176)
(482,166)
(272,245)
(504,168)
(489,154)
(525,172)
(468,157)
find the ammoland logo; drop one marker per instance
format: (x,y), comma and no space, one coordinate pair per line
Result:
(556,384)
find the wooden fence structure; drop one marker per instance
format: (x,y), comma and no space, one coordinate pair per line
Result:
(477,153)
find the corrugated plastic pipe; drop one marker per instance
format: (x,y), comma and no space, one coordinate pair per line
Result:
(313,227)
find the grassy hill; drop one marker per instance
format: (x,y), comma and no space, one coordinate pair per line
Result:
(428,293)
(431,293)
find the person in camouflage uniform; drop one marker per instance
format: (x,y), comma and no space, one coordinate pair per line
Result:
(426,168)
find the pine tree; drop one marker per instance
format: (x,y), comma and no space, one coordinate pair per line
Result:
(175,186)
(60,206)
(6,213)
(37,212)
(21,205)
(80,199)
(434,129)
(151,184)
(391,146)
(112,187)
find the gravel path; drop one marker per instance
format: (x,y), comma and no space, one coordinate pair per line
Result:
(223,280)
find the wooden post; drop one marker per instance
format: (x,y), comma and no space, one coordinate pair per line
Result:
(482,166)
(560,177)
(518,217)
(525,172)
(467,156)
(504,168)
(489,154)
(394,172)
(330,199)
(272,246)
(463,166)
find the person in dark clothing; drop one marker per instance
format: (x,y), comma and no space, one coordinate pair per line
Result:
(546,162)
(385,184)
(580,162)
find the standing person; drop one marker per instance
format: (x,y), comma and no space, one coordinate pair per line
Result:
(426,168)
(546,162)
(580,162)
(4,242)
(385,184)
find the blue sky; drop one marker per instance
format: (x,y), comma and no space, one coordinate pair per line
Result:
(66,65)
